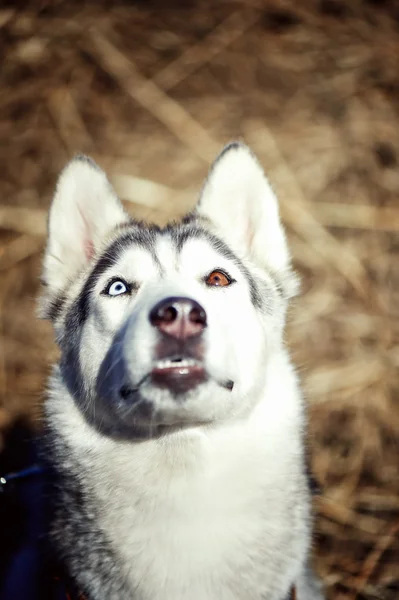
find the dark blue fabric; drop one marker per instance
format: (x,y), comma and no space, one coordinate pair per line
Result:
(27,567)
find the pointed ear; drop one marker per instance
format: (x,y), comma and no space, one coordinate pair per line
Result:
(239,201)
(85,209)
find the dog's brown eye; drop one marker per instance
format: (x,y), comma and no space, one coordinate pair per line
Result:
(218,278)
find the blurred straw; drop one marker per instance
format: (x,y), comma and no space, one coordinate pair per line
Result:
(146,93)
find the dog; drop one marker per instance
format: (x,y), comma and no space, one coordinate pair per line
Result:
(174,418)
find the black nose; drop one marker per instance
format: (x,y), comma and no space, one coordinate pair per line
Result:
(179,318)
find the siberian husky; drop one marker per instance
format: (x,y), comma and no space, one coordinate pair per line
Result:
(175,419)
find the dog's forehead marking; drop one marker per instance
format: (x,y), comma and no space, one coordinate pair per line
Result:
(166,252)
(198,254)
(138,264)
(170,252)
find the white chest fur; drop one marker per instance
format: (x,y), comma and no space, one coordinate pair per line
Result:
(217,514)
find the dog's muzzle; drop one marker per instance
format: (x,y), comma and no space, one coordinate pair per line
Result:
(126,403)
(178,361)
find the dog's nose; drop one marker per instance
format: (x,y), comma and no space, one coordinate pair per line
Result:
(179,318)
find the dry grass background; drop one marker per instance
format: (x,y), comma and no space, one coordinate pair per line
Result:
(152,90)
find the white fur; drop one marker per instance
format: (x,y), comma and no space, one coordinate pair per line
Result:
(188,513)
(240,200)
(84,211)
(218,509)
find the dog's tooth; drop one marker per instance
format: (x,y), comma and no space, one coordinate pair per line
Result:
(187,363)
(166,363)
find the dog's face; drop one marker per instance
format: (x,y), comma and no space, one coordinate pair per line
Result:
(167,328)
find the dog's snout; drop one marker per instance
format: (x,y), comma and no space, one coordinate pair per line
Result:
(178,317)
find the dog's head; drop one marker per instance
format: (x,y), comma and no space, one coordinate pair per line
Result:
(173,327)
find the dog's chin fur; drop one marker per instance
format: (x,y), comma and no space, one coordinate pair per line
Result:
(172,491)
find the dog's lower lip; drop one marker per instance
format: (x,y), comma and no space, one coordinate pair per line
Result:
(177,370)
(178,378)
(182,369)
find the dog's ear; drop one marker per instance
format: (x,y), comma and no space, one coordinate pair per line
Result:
(239,201)
(85,209)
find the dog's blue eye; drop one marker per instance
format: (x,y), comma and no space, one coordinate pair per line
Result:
(116,288)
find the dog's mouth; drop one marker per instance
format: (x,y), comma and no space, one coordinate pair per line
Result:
(178,374)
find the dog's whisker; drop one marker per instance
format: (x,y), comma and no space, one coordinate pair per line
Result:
(130,409)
